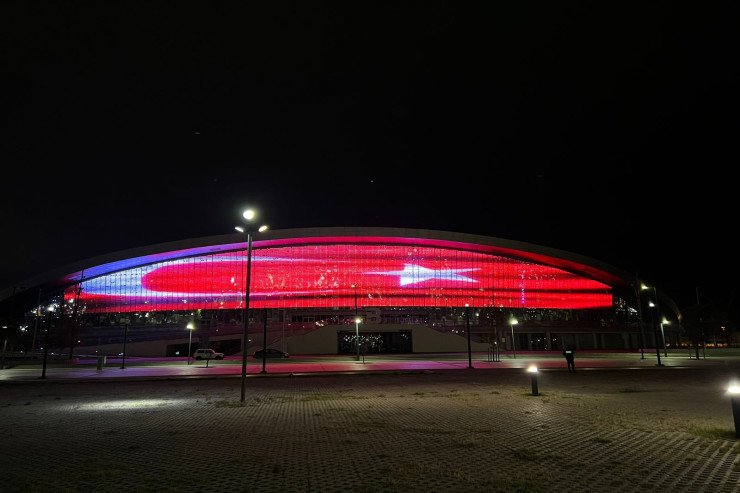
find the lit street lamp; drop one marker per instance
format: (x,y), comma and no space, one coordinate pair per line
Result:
(654,319)
(357,325)
(639,320)
(467,329)
(190,328)
(264,343)
(513,322)
(249,229)
(662,335)
(46,341)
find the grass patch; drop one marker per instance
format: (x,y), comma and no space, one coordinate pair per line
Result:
(228,404)
(328,397)
(713,432)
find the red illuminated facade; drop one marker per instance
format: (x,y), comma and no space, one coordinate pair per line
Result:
(308,279)
(320,276)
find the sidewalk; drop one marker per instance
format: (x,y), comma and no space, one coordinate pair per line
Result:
(143,368)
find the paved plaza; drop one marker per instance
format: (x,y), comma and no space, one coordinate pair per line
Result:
(627,427)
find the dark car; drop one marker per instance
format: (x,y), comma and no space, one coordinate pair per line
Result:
(271,353)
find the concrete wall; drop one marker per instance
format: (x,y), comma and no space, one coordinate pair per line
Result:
(319,341)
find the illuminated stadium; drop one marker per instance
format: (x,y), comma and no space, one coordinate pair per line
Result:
(342,290)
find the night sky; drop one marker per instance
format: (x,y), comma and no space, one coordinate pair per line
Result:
(604,130)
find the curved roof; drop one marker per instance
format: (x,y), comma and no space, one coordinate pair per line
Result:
(54,281)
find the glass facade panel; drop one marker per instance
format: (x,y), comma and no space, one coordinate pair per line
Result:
(323,276)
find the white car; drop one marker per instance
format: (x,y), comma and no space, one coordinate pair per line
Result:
(207,354)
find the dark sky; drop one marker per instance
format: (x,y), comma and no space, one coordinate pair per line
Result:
(605,130)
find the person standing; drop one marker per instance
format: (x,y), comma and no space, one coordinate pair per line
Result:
(570,355)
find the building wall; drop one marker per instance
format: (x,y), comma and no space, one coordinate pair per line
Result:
(319,341)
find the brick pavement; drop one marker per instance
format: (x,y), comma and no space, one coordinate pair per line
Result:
(620,430)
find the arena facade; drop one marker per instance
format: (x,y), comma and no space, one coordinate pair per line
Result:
(342,291)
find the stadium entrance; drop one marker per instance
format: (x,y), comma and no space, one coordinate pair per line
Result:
(375,342)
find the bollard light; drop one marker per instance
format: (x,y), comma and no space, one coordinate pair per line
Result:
(734,392)
(533,372)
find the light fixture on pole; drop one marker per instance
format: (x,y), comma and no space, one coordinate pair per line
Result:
(46,341)
(264,343)
(654,320)
(190,328)
(249,216)
(513,322)
(357,325)
(639,318)
(662,335)
(467,329)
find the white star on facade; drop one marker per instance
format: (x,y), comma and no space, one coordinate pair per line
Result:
(412,274)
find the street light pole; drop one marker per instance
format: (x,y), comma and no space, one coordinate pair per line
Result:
(46,343)
(662,335)
(248,215)
(654,321)
(264,343)
(467,329)
(513,322)
(639,319)
(357,325)
(125,336)
(190,328)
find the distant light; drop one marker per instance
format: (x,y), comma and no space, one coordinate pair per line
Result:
(734,389)
(248,214)
(532,369)
(262,228)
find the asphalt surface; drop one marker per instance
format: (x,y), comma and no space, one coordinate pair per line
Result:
(620,423)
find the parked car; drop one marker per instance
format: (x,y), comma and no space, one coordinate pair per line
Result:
(271,353)
(207,354)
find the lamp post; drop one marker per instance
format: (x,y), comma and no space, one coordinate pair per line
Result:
(467,329)
(512,323)
(639,319)
(662,335)
(46,342)
(249,216)
(264,343)
(190,328)
(654,320)
(125,336)
(357,325)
